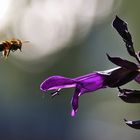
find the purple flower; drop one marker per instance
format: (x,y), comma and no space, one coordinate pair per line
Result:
(82,84)
(128,95)
(93,81)
(113,78)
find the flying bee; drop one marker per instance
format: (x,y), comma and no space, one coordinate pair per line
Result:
(10,45)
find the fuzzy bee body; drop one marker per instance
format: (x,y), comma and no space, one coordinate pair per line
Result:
(10,45)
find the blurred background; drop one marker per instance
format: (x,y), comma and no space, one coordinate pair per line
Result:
(68,38)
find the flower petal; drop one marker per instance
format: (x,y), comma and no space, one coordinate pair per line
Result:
(138,55)
(122,29)
(133,124)
(123,63)
(137,79)
(91,82)
(129,96)
(57,82)
(120,77)
(74,101)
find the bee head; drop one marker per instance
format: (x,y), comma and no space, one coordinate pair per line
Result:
(16,44)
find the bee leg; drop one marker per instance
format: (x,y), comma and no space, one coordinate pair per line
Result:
(6,53)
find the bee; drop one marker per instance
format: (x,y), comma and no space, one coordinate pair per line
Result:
(10,45)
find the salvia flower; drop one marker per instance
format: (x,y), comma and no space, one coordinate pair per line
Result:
(128,95)
(125,72)
(82,84)
(116,77)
